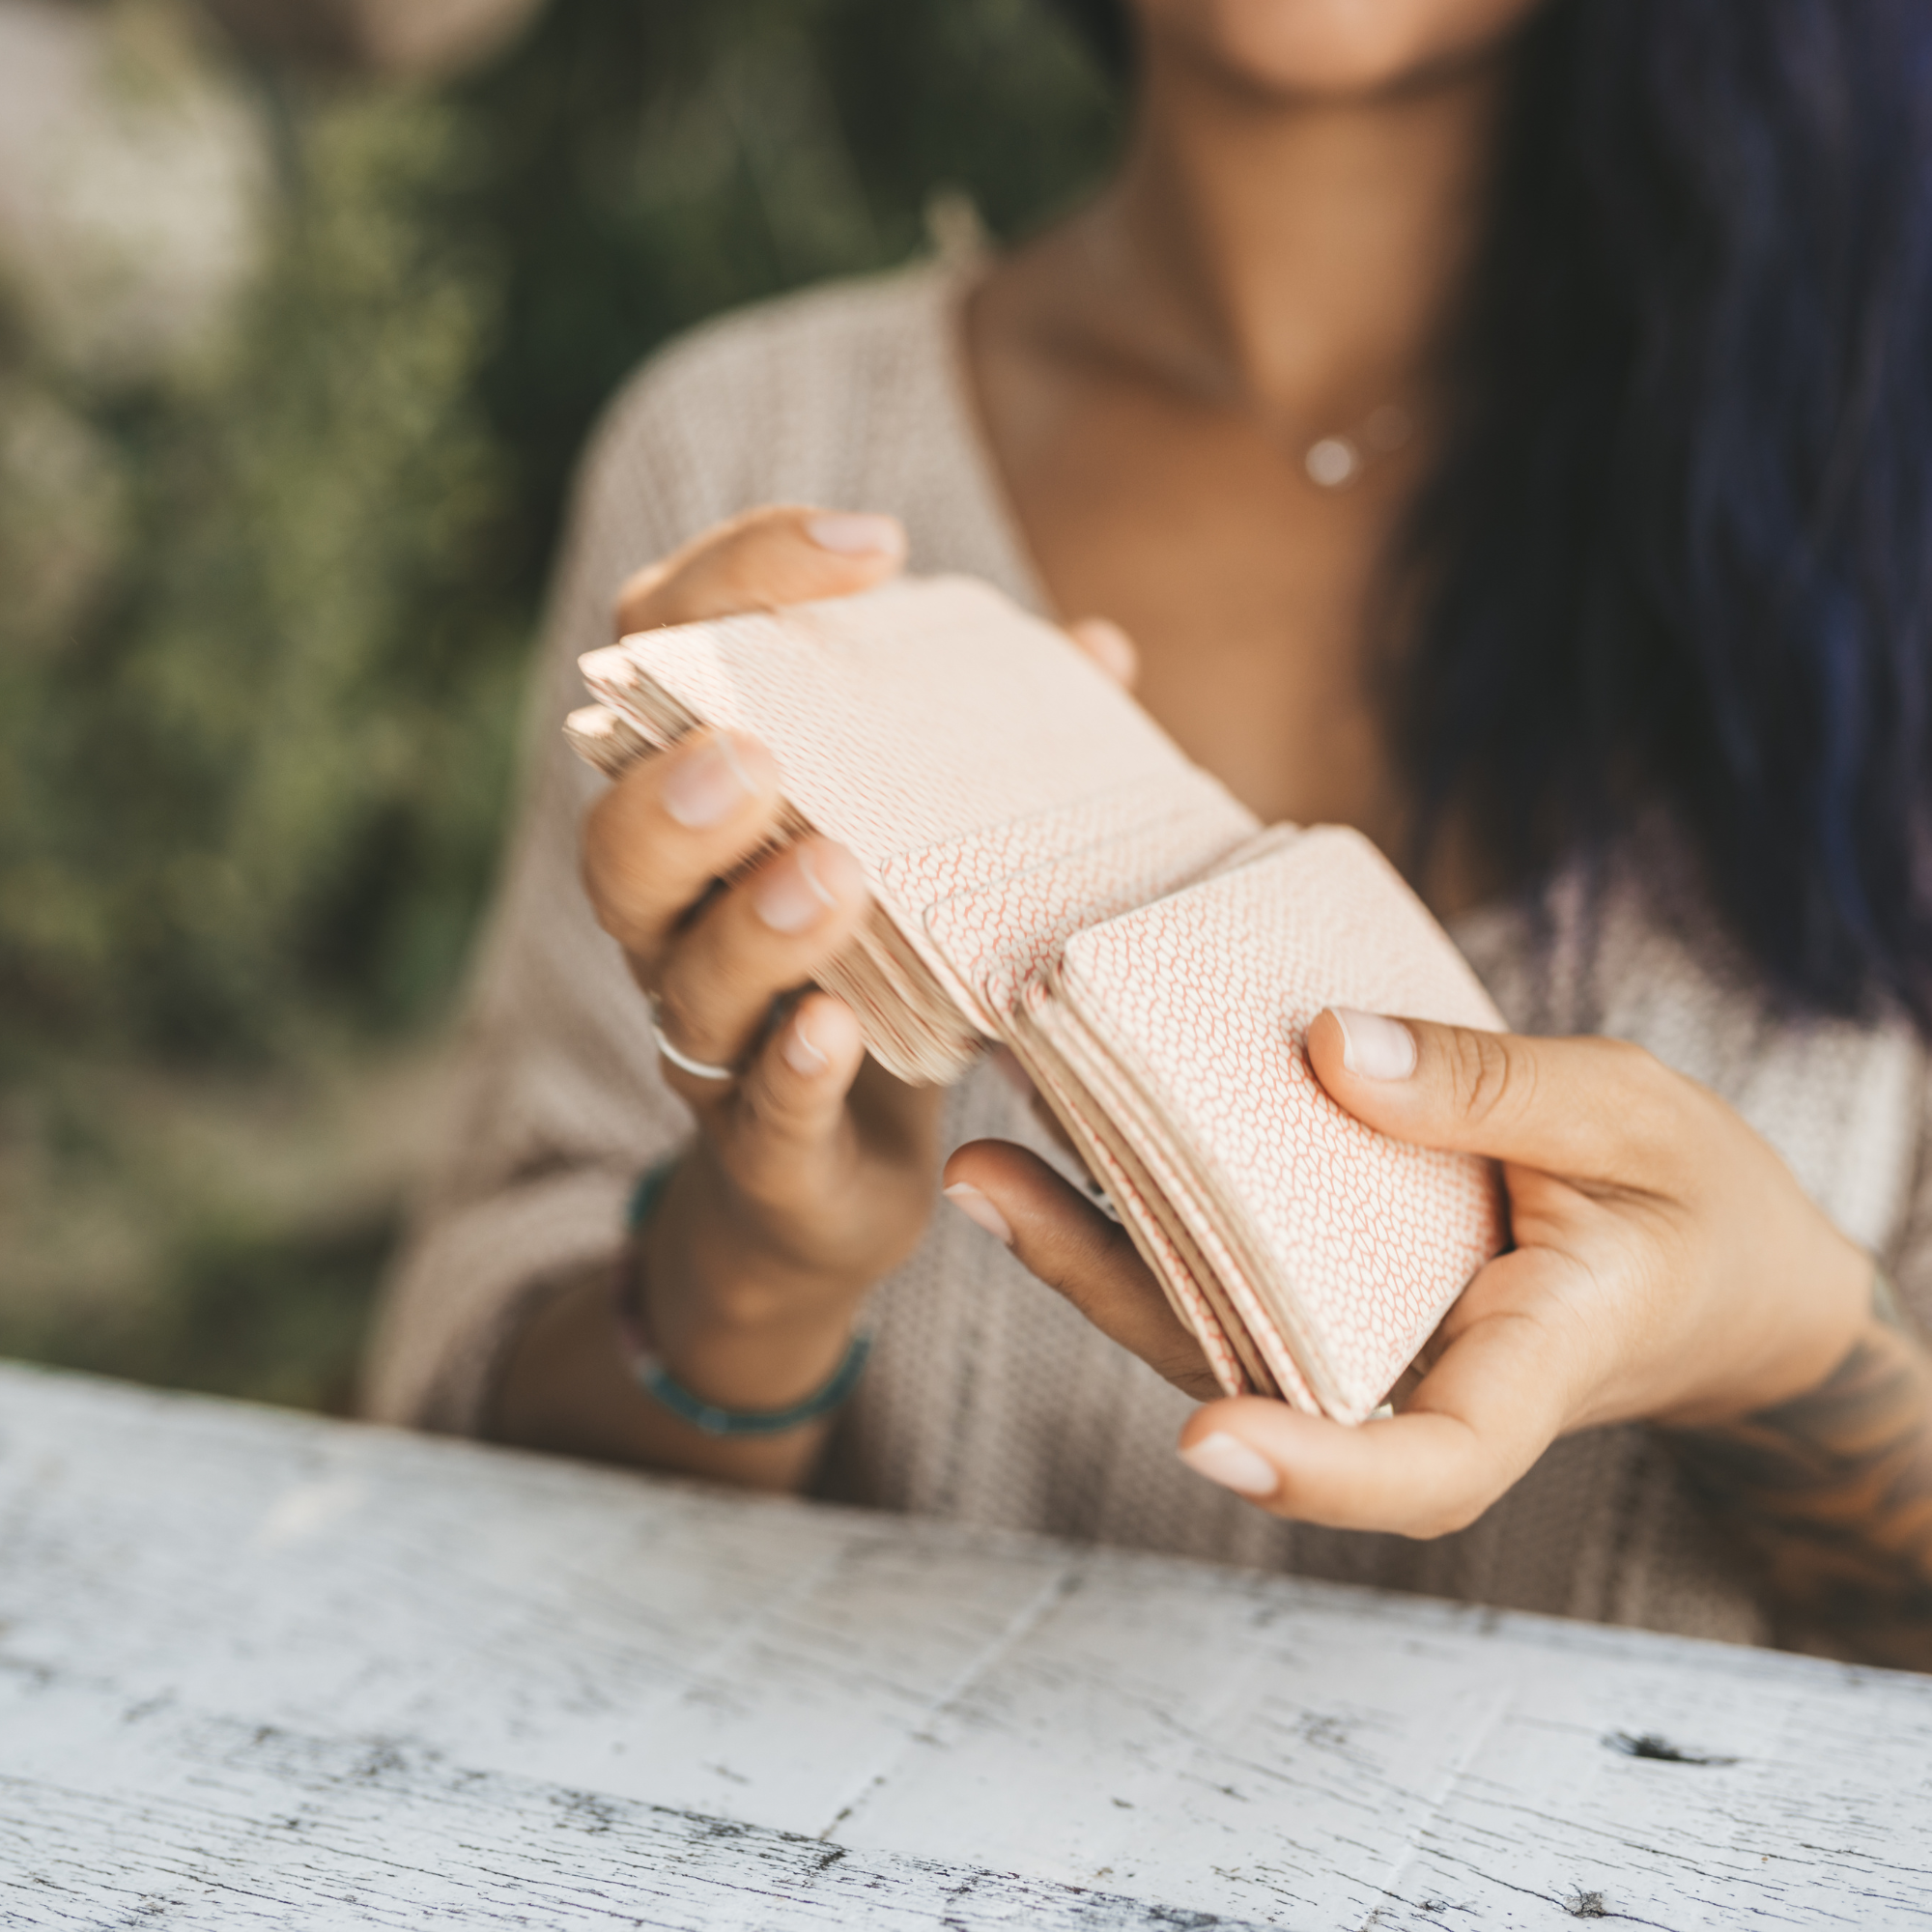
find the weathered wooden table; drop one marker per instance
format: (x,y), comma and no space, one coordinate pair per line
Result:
(258,1669)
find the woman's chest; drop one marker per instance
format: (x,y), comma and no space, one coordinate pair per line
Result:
(1252,596)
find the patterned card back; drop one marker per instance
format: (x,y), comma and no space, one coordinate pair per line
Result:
(1355,1243)
(998,934)
(918,714)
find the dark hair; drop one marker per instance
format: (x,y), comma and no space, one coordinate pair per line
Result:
(1680,545)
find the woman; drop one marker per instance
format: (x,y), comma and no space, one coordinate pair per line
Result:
(1494,424)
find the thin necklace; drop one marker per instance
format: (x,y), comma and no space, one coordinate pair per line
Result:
(1332,462)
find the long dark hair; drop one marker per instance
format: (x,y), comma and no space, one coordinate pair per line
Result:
(1680,546)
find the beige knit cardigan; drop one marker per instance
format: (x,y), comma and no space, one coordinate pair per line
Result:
(988,1400)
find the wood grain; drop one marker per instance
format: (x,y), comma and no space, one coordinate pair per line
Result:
(152,1816)
(255,1668)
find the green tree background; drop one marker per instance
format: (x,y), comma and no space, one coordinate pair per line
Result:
(252,781)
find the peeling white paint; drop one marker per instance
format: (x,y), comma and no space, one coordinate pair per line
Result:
(259,1669)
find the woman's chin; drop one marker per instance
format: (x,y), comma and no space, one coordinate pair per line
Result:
(1334,49)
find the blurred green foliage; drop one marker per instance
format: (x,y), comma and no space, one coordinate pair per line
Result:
(264,620)
(261,776)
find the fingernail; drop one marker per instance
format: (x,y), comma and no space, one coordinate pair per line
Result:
(856,533)
(1374,1046)
(708,788)
(800,1054)
(1231,1463)
(793,897)
(975,1205)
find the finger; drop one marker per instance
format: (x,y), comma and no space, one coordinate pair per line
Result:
(1497,1398)
(784,555)
(672,825)
(773,930)
(793,1098)
(1595,1110)
(1072,1247)
(1109,646)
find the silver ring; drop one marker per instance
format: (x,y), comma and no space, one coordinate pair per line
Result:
(699,1069)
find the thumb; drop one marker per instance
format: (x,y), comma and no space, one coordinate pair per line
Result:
(1587,1109)
(1497,1398)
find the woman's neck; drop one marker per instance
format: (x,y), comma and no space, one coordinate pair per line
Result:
(1302,255)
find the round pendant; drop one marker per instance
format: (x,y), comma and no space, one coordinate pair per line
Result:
(1332,463)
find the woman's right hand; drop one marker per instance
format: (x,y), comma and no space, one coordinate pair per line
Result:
(811,1172)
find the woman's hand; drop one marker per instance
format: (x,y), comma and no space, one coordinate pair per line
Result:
(810,1173)
(1666,1267)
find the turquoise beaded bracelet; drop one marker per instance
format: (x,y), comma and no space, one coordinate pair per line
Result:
(664,1388)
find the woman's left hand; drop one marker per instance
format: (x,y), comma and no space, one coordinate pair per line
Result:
(1666,1266)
